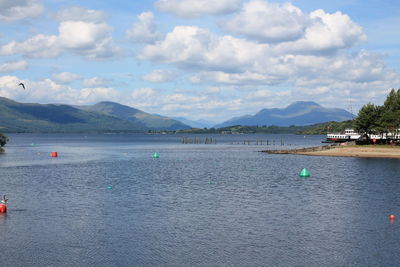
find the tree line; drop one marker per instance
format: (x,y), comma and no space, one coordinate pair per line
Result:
(374,119)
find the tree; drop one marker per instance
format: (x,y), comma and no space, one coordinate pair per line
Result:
(3,140)
(368,119)
(390,119)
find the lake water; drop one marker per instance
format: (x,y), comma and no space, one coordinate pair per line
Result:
(106,202)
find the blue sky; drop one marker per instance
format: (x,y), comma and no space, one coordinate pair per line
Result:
(200,59)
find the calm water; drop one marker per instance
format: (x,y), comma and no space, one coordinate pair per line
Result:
(106,202)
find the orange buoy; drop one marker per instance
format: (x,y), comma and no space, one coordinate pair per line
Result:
(392,217)
(3,208)
(54,154)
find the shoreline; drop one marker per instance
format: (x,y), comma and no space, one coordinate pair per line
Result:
(378,151)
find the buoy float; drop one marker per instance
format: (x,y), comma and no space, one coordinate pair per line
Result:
(3,208)
(54,154)
(155,155)
(304,173)
(392,217)
(109,187)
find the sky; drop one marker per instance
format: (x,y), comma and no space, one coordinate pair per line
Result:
(200,59)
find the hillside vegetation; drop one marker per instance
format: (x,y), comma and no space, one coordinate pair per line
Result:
(50,118)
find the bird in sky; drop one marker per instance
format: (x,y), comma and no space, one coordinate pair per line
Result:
(23,86)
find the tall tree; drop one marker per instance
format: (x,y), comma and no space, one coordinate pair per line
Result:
(390,119)
(368,119)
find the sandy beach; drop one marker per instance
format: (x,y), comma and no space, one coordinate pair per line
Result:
(358,151)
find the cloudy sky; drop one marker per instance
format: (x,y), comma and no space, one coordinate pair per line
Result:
(200,59)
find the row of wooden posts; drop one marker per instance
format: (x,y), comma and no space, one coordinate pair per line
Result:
(187,140)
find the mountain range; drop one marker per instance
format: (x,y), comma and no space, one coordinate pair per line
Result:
(101,117)
(113,117)
(299,113)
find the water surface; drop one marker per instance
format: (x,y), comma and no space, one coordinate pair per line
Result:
(106,202)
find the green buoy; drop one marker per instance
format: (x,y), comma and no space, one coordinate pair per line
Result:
(109,187)
(155,155)
(304,173)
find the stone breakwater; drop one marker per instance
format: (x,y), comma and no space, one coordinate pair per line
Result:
(301,150)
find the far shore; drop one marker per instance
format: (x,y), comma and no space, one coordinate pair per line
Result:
(367,151)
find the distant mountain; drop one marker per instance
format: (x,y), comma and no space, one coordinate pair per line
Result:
(195,124)
(123,112)
(299,113)
(30,117)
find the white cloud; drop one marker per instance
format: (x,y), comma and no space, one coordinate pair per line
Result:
(194,47)
(144,30)
(143,93)
(66,77)
(41,91)
(173,103)
(197,8)
(159,76)
(77,13)
(92,40)
(13,66)
(49,91)
(37,46)
(268,22)
(9,86)
(88,39)
(292,30)
(244,78)
(213,89)
(96,82)
(259,94)
(93,95)
(314,91)
(326,33)
(14,10)
(230,61)
(154,100)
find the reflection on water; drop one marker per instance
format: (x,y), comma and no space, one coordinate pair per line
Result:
(105,201)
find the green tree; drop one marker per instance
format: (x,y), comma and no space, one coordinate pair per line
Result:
(390,120)
(368,119)
(3,140)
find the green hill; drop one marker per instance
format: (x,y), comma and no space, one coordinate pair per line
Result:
(39,118)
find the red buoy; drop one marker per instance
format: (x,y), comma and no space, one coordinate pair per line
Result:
(54,154)
(3,208)
(392,217)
